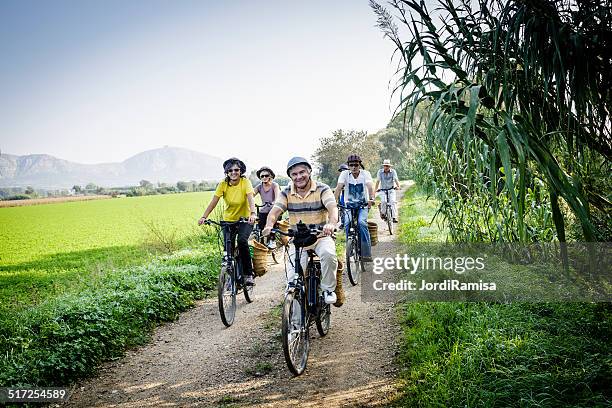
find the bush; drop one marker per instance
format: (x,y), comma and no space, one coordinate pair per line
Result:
(19,197)
(66,338)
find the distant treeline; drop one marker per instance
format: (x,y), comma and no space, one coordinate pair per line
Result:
(143,188)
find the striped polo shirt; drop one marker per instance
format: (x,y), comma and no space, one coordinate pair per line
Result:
(310,209)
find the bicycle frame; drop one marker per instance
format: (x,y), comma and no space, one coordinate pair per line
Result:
(303,292)
(307,285)
(230,259)
(388,210)
(354,226)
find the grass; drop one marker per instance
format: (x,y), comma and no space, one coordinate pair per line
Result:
(499,355)
(51,249)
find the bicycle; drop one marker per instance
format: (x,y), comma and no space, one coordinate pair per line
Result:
(230,276)
(257,236)
(388,213)
(354,262)
(303,303)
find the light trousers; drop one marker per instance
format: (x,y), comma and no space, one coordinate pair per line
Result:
(391,203)
(325,248)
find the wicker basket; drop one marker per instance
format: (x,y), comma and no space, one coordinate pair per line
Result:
(340,298)
(373,228)
(260,258)
(284,227)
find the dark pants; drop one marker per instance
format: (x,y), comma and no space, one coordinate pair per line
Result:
(243,230)
(263,218)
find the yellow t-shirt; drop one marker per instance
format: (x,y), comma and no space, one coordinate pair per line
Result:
(235,197)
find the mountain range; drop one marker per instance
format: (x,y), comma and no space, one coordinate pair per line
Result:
(166,165)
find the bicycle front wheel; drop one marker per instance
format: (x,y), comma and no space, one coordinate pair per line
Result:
(390,221)
(353,265)
(295,333)
(226,294)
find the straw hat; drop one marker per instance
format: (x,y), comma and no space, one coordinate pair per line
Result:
(387,162)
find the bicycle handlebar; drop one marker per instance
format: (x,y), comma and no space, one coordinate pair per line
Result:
(225,223)
(264,204)
(352,208)
(313,229)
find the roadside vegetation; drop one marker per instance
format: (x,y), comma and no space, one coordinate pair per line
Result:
(83,281)
(506,108)
(458,354)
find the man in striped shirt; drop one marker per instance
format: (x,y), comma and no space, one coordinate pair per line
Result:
(311,202)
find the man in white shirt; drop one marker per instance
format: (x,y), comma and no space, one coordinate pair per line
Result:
(388,180)
(358,190)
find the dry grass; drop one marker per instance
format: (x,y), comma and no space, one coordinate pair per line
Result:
(49,200)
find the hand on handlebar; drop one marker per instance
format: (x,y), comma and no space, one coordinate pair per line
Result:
(266,231)
(328,229)
(202,220)
(252,218)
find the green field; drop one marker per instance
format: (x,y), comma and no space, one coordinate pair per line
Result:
(49,249)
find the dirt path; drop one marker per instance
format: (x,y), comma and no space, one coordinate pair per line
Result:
(196,361)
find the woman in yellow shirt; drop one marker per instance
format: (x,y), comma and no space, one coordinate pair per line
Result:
(237,193)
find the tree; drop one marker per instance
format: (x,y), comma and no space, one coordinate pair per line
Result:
(77,189)
(182,186)
(91,187)
(146,184)
(520,96)
(333,151)
(29,190)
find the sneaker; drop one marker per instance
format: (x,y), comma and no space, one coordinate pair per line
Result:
(366,258)
(249,281)
(330,297)
(383,217)
(395,221)
(271,244)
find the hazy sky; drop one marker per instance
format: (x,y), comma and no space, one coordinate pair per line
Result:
(99,81)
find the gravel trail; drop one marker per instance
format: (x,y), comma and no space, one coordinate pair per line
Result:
(196,361)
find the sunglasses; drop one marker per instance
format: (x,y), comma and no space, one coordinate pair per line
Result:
(353,164)
(264,175)
(233,171)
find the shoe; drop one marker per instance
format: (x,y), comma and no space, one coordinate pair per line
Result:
(249,281)
(366,258)
(383,217)
(395,221)
(271,245)
(330,297)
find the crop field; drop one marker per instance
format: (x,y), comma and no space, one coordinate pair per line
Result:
(46,249)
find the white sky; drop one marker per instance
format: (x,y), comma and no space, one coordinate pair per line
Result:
(260,80)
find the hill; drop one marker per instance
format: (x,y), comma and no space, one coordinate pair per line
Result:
(167,165)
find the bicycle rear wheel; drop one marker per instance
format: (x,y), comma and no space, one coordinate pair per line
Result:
(247,290)
(353,265)
(324,320)
(226,294)
(295,333)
